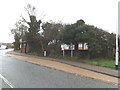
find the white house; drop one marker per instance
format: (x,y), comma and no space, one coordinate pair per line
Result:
(3,47)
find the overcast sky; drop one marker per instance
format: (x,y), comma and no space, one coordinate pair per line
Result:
(100,13)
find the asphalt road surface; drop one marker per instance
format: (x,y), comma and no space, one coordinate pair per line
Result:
(20,74)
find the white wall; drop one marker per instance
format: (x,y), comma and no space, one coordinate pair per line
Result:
(3,47)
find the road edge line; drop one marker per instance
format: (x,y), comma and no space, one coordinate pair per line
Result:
(6,81)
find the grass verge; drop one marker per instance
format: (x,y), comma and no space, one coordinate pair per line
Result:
(97,62)
(18,51)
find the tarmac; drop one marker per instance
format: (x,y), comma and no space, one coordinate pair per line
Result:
(77,68)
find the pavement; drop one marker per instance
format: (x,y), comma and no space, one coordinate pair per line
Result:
(77,68)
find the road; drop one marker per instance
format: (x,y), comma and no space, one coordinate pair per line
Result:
(16,73)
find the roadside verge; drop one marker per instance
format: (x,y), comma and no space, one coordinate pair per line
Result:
(63,67)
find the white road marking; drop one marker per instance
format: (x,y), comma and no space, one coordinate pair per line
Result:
(6,81)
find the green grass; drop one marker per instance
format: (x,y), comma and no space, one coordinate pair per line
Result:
(101,62)
(34,53)
(97,62)
(10,47)
(18,51)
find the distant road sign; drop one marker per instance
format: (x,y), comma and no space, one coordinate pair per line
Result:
(82,46)
(67,47)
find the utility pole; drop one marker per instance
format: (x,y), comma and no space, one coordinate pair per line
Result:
(116,63)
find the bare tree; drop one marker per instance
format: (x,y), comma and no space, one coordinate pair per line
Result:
(19,33)
(33,37)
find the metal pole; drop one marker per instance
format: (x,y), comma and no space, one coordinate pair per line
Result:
(116,63)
